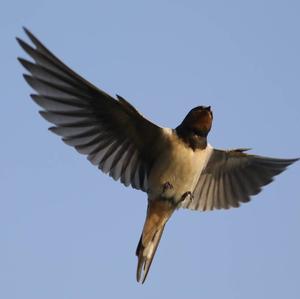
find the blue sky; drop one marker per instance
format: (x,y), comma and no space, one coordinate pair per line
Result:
(68,231)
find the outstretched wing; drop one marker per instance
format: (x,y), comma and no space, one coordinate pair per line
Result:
(231,177)
(112,133)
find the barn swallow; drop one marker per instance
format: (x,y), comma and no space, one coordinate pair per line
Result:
(177,168)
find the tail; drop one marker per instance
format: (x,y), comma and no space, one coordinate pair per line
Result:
(158,213)
(145,255)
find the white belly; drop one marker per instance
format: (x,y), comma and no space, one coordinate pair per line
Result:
(180,166)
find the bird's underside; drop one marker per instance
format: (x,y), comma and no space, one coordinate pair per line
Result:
(175,167)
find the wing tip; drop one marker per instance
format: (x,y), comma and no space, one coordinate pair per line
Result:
(29,79)
(37,99)
(26,30)
(25,63)
(22,44)
(30,35)
(293,160)
(53,129)
(26,47)
(45,115)
(19,40)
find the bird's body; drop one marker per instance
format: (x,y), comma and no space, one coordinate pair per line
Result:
(177,164)
(177,168)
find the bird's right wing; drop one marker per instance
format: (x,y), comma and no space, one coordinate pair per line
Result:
(112,133)
(231,177)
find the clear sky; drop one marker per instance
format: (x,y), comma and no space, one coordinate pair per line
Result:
(67,231)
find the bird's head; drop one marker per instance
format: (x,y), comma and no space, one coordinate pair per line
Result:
(198,121)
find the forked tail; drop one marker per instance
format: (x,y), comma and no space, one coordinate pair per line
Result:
(158,213)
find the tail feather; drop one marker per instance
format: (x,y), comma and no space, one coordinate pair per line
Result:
(158,214)
(146,254)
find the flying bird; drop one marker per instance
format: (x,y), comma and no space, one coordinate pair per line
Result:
(177,168)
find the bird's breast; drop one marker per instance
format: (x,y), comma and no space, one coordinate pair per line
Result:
(178,165)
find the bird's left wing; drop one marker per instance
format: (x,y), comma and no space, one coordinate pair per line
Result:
(231,177)
(112,133)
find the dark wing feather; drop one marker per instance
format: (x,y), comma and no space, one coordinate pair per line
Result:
(231,177)
(111,132)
